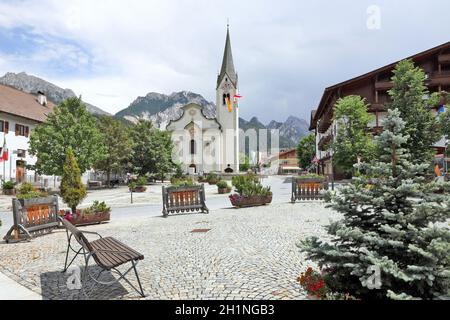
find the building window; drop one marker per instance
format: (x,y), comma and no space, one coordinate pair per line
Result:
(21,130)
(21,153)
(193,147)
(4,126)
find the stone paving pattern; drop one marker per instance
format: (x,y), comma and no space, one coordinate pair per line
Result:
(248,254)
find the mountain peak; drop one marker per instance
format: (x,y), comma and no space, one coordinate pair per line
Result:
(32,84)
(161,108)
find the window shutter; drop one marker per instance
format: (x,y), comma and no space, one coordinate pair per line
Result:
(27,131)
(6,127)
(17,129)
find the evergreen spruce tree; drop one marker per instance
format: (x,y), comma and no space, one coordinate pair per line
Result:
(412,98)
(72,189)
(393,219)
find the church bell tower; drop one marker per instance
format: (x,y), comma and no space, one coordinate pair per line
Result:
(228,110)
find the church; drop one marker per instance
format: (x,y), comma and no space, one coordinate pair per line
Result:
(203,144)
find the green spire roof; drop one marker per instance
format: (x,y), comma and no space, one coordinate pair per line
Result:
(227,63)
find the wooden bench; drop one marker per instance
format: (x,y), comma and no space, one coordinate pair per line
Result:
(33,217)
(308,189)
(95,185)
(184,200)
(108,253)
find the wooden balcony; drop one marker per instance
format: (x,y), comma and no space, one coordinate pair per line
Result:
(374,107)
(324,142)
(444,58)
(383,85)
(439,79)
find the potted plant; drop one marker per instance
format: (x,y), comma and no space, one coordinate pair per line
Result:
(139,185)
(97,213)
(8,188)
(27,192)
(250,192)
(212,178)
(223,187)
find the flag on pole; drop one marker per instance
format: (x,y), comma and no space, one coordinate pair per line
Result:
(229,105)
(4,153)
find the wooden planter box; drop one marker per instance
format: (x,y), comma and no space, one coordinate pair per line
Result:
(253,201)
(184,200)
(96,218)
(33,217)
(308,189)
(223,190)
(140,189)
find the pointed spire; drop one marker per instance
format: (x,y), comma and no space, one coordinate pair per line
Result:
(227,63)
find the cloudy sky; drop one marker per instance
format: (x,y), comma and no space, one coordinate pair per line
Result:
(286,51)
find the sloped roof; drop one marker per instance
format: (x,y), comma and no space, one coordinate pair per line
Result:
(227,63)
(22,104)
(391,66)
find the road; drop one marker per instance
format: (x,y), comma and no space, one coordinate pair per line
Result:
(280,187)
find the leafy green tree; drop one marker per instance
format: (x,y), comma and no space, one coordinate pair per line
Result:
(141,136)
(118,146)
(152,150)
(411,97)
(444,120)
(353,141)
(70,125)
(306,149)
(392,219)
(161,154)
(72,189)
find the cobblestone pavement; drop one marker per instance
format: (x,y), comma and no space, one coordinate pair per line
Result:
(247,254)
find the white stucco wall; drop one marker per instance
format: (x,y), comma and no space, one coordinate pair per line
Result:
(230,125)
(8,169)
(207,135)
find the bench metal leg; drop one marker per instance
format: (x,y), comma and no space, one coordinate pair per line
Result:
(73,259)
(121,276)
(139,281)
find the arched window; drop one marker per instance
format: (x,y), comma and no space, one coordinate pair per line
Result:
(193,147)
(224,99)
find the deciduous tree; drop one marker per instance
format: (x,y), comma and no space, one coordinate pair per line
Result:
(70,125)
(353,140)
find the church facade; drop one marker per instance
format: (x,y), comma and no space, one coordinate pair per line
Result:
(203,144)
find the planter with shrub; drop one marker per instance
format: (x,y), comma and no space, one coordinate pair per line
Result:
(8,188)
(212,178)
(139,185)
(27,192)
(223,187)
(250,192)
(97,213)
